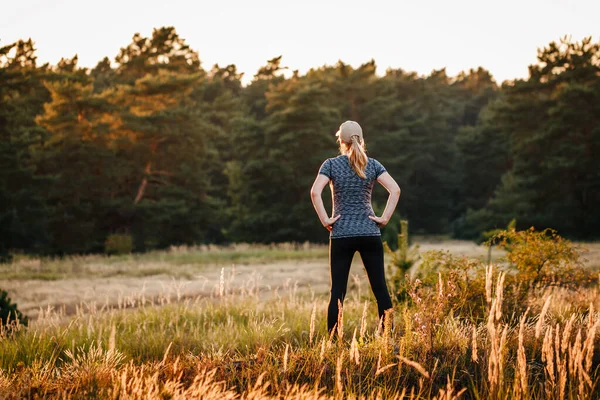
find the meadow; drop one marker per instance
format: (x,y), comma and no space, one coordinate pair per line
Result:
(248,322)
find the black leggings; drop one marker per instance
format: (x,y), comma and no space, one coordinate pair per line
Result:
(341,252)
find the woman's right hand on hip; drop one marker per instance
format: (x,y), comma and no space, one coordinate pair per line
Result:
(329,222)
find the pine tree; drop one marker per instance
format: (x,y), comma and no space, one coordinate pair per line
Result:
(23,208)
(552,118)
(76,155)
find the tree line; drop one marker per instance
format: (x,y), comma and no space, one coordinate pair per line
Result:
(153,145)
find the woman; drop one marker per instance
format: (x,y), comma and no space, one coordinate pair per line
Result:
(354,225)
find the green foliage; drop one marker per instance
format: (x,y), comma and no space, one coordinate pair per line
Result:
(149,142)
(292,142)
(24,212)
(484,158)
(414,122)
(118,244)
(10,316)
(550,124)
(403,258)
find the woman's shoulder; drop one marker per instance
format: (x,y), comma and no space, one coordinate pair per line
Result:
(330,165)
(377,166)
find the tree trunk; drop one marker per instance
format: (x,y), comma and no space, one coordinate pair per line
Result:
(142,187)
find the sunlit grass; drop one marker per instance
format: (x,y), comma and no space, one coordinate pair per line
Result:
(243,343)
(249,339)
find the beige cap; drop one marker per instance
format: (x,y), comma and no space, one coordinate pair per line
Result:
(349,129)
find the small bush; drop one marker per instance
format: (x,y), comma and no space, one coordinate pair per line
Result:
(446,285)
(9,313)
(403,258)
(541,257)
(118,244)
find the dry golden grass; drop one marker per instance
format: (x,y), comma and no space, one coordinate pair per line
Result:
(243,338)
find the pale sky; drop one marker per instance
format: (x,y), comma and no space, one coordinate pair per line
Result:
(416,35)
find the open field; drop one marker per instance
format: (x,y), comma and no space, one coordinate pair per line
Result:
(35,284)
(249,322)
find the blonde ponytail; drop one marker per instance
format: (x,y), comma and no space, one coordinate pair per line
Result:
(358,156)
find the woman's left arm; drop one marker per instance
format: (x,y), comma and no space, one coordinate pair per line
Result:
(315,195)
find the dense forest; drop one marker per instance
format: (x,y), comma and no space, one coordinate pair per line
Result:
(153,145)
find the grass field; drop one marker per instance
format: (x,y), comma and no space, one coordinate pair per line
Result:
(249,322)
(191,271)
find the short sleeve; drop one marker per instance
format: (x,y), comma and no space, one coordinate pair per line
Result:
(379,169)
(326,168)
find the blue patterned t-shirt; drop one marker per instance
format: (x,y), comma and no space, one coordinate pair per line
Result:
(352,196)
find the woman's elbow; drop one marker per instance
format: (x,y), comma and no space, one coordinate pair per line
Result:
(396,191)
(314,193)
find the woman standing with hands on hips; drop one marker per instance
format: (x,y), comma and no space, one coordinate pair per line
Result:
(354,225)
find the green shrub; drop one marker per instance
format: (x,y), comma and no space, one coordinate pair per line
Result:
(118,244)
(9,313)
(541,257)
(403,258)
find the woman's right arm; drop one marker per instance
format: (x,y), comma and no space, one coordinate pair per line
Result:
(393,189)
(317,200)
